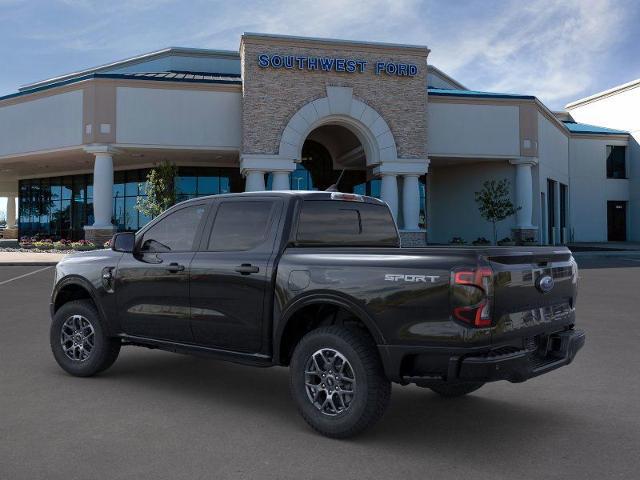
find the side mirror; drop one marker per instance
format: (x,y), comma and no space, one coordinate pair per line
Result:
(123,242)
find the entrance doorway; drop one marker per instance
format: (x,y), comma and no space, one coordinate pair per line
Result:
(617,221)
(330,154)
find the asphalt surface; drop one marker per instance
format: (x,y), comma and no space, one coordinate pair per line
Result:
(157,415)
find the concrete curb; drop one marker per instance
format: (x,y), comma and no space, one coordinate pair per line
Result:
(608,253)
(28,264)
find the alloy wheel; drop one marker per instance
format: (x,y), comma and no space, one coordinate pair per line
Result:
(330,381)
(77,338)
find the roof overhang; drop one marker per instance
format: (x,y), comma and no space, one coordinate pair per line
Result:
(145,57)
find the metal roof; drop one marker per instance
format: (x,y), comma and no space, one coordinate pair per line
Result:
(135,60)
(474,93)
(187,77)
(177,75)
(585,128)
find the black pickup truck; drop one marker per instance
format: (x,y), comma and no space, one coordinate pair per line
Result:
(317,281)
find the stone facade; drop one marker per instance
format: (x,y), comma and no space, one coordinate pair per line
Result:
(272,96)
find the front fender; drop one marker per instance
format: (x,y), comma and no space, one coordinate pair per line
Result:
(94,294)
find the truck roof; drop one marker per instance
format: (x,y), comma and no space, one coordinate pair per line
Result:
(306,194)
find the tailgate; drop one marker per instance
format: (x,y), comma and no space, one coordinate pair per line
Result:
(534,292)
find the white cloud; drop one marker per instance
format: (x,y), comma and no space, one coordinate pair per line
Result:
(548,48)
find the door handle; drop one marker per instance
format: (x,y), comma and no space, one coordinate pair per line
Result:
(247,268)
(175,268)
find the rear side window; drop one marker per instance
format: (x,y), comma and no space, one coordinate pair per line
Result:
(333,222)
(240,225)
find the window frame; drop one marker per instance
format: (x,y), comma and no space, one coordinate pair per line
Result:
(176,208)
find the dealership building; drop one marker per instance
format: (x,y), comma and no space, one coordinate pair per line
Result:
(300,113)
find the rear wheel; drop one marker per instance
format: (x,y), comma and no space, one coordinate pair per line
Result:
(337,381)
(457,389)
(79,341)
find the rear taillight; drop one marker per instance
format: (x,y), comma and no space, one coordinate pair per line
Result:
(472,298)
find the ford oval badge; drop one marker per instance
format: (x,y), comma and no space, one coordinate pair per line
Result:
(545,283)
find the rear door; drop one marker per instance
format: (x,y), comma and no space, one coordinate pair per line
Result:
(535,292)
(231,274)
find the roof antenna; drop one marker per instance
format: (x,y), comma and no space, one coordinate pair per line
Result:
(334,187)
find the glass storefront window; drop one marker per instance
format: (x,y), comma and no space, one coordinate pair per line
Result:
(60,207)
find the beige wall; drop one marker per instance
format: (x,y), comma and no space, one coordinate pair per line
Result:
(473,129)
(172,117)
(589,189)
(45,123)
(272,96)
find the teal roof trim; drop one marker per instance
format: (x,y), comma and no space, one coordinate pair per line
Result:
(183,77)
(585,128)
(444,92)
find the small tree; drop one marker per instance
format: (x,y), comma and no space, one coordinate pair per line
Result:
(160,190)
(494,203)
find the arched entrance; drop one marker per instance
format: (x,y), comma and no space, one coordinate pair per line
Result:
(330,150)
(341,133)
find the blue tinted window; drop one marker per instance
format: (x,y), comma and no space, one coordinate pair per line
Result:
(208,185)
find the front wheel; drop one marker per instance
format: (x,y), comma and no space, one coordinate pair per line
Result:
(337,381)
(79,341)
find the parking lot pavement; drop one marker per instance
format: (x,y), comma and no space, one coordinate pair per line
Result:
(159,415)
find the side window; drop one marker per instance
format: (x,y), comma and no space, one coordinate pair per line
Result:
(174,233)
(332,222)
(616,167)
(240,225)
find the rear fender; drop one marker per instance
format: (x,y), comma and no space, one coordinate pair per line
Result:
(327,298)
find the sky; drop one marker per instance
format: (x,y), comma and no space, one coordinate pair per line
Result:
(557,50)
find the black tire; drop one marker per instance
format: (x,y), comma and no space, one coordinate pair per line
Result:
(372,390)
(104,349)
(456,389)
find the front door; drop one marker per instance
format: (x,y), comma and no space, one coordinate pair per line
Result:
(152,285)
(617,221)
(231,274)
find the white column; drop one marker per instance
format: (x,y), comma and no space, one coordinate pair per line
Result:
(11,212)
(524,193)
(280,181)
(254,181)
(389,192)
(410,202)
(103,189)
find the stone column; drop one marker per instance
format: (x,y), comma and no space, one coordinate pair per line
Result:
(389,192)
(410,202)
(254,181)
(280,181)
(102,228)
(11,212)
(524,229)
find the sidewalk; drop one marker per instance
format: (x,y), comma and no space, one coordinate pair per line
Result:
(29,258)
(604,246)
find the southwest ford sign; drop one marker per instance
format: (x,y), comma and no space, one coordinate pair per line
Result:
(334,64)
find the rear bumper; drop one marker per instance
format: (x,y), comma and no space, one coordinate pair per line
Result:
(520,366)
(557,350)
